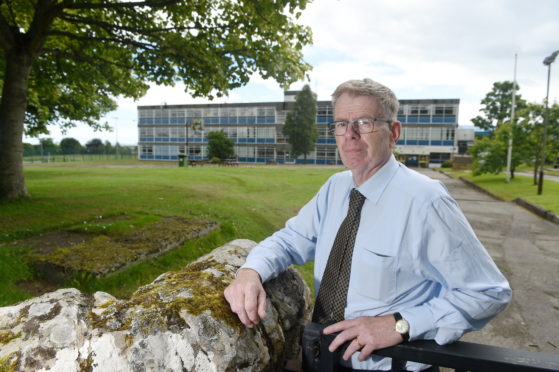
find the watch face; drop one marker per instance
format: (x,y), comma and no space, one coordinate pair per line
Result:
(402,326)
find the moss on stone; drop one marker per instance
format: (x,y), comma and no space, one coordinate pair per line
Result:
(112,318)
(191,289)
(86,365)
(6,337)
(8,363)
(106,304)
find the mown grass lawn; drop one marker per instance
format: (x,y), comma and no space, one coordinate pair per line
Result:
(249,203)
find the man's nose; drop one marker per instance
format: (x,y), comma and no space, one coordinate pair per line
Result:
(352,130)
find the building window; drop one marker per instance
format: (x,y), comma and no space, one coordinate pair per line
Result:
(419,110)
(246,111)
(436,134)
(162,132)
(444,110)
(194,150)
(146,132)
(324,110)
(449,134)
(245,152)
(177,132)
(265,152)
(266,132)
(194,113)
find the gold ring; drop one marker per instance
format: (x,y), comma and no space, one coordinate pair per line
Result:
(359,343)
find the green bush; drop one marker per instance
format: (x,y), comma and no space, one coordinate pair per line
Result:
(447,164)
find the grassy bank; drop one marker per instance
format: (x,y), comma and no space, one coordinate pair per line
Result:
(248,203)
(518,187)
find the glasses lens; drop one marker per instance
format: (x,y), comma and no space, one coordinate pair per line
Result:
(337,128)
(360,126)
(365,125)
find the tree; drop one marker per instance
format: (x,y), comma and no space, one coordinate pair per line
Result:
(533,116)
(70,145)
(219,146)
(94,146)
(65,61)
(490,152)
(300,124)
(497,105)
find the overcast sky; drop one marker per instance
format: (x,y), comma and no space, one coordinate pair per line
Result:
(420,49)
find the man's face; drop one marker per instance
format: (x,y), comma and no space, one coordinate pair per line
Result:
(364,153)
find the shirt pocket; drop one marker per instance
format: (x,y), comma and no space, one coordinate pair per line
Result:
(375,274)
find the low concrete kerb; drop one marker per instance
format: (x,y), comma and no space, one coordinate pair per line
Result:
(536,209)
(542,212)
(480,189)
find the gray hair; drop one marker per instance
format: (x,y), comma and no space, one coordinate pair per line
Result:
(367,87)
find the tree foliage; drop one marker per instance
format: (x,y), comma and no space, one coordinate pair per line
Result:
(300,124)
(64,61)
(490,152)
(219,146)
(70,145)
(497,106)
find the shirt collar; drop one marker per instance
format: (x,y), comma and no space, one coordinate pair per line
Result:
(373,188)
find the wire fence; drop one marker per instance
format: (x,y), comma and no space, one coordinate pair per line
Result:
(60,158)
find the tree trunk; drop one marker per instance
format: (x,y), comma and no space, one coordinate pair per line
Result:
(13,105)
(536,166)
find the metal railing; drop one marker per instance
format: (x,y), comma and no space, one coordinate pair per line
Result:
(460,356)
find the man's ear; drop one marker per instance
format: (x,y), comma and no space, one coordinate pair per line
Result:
(396,129)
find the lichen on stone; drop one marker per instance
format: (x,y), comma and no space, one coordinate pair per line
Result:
(8,336)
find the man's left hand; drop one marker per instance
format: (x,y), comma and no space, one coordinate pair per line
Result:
(366,333)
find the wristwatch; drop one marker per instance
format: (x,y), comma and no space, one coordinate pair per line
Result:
(402,326)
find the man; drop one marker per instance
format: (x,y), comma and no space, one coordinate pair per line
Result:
(417,269)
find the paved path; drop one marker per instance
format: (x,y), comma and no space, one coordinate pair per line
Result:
(550,177)
(526,249)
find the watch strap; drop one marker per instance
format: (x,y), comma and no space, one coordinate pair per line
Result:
(397,317)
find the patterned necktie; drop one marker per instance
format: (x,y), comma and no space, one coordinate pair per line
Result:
(332,295)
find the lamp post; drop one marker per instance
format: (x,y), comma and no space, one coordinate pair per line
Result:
(509,152)
(116,136)
(547,61)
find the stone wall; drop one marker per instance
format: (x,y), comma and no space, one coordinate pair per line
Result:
(179,322)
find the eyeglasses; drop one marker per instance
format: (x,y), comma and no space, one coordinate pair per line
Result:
(361,126)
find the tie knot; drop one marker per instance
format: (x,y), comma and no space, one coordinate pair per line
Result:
(356,199)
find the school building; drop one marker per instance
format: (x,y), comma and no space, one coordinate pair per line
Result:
(167,131)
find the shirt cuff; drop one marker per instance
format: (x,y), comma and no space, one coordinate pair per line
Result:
(261,268)
(421,322)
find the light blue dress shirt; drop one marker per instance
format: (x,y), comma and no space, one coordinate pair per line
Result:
(415,253)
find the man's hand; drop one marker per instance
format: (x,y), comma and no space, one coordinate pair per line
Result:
(247,297)
(366,333)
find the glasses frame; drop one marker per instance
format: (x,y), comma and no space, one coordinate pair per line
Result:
(355,126)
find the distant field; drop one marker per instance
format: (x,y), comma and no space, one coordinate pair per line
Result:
(248,203)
